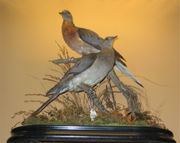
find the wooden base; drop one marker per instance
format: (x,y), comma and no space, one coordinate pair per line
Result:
(89,134)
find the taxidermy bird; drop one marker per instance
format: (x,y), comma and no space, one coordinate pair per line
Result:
(90,70)
(85,41)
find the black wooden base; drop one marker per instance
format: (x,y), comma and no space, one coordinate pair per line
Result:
(89,134)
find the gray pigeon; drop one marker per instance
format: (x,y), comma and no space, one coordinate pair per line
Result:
(90,70)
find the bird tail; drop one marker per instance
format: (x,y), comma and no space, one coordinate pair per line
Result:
(122,69)
(55,91)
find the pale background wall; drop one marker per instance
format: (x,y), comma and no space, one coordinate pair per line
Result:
(148,39)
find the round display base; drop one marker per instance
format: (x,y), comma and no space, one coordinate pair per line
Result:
(89,134)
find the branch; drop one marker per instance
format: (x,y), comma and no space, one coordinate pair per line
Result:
(129,93)
(65,61)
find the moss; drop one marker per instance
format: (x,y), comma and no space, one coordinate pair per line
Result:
(101,120)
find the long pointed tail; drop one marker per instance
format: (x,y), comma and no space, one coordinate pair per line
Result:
(56,92)
(122,69)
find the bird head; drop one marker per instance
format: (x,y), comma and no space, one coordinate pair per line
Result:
(109,40)
(66,15)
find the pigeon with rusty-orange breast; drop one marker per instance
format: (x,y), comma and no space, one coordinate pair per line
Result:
(85,41)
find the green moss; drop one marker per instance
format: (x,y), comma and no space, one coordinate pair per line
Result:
(33,121)
(79,117)
(100,121)
(141,123)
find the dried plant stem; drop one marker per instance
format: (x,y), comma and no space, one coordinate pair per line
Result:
(129,93)
(64,61)
(111,91)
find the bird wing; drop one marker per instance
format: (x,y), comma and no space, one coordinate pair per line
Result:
(85,62)
(118,55)
(80,66)
(120,58)
(90,37)
(95,40)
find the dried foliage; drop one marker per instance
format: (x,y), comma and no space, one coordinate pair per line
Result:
(74,107)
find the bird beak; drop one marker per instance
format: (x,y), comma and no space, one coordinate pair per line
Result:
(115,37)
